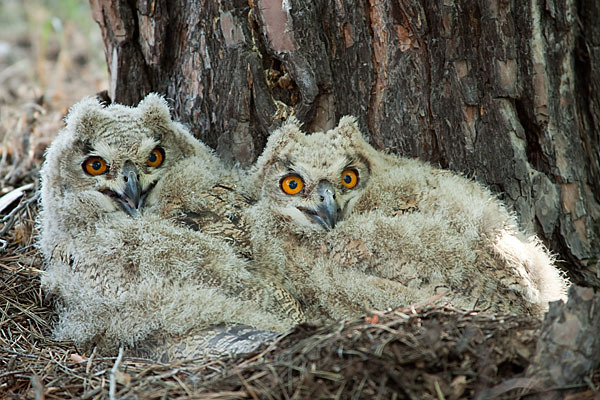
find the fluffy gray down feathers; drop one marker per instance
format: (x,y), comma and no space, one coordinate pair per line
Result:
(242,270)
(407,232)
(121,279)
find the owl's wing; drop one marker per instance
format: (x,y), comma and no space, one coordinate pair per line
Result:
(274,298)
(214,340)
(222,217)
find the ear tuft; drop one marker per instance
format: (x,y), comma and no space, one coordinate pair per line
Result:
(155,110)
(292,120)
(289,132)
(349,127)
(84,116)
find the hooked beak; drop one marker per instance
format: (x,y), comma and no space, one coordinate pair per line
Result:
(327,210)
(131,198)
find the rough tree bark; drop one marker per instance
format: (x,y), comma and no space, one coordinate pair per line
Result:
(569,345)
(506,91)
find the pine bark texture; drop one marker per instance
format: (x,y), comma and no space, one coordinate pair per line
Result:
(505,91)
(568,349)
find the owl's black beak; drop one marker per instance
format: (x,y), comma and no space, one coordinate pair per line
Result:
(327,210)
(130,198)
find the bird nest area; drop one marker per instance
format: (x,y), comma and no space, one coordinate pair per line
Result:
(422,352)
(419,352)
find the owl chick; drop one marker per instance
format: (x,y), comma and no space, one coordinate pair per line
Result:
(347,228)
(123,274)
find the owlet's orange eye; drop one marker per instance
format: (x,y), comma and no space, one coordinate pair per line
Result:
(350,178)
(95,166)
(292,184)
(156,157)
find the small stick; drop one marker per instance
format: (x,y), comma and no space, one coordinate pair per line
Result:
(38,387)
(251,391)
(89,363)
(87,381)
(113,379)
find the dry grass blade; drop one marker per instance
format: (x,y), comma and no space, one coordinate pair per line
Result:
(13,195)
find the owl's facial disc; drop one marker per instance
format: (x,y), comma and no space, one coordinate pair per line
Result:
(326,210)
(126,183)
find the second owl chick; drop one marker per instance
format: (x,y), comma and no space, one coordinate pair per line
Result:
(346,228)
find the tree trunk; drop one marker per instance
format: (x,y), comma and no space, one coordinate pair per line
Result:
(505,91)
